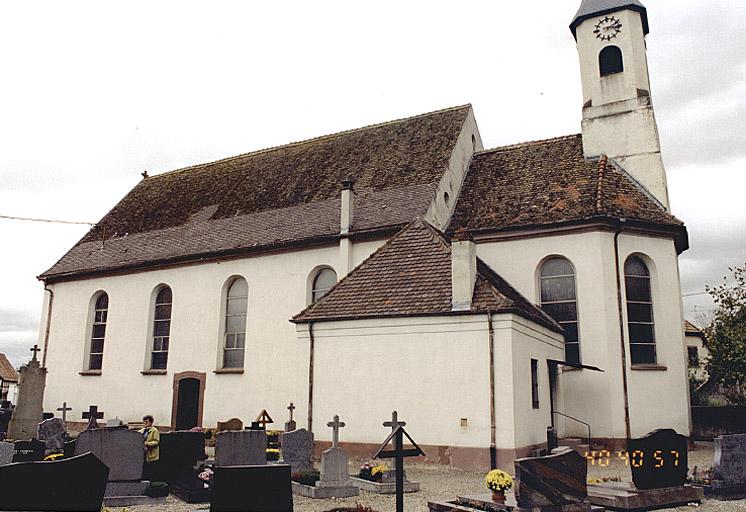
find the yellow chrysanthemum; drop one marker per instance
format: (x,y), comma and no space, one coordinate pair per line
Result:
(381,468)
(499,481)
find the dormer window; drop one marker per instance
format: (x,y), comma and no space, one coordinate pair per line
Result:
(610,61)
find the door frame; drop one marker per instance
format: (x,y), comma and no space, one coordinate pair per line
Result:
(202,378)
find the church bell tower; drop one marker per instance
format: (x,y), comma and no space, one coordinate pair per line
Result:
(618,117)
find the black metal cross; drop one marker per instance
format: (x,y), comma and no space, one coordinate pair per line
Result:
(92,415)
(398,454)
(291,408)
(35,349)
(394,422)
(64,410)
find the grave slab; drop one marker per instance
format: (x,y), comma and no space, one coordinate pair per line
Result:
(729,467)
(28,451)
(53,433)
(120,449)
(6,453)
(556,479)
(383,487)
(241,448)
(241,488)
(297,449)
(624,496)
(658,459)
(483,502)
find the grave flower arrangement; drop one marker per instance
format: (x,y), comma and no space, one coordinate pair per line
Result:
(498,482)
(372,473)
(206,477)
(273,454)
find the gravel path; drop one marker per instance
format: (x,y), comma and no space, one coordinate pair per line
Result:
(440,483)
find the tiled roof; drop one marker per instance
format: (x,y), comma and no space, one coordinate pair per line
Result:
(692,330)
(249,201)
(411,276)
(7,372)
(550,182)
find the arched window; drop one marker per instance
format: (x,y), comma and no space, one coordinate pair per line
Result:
(610,61)
(639,311)
(161,329)
(98,332)
(557,282)
(234,339)
(322,283)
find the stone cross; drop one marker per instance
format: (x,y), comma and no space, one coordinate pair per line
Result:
(291,408)
(35,349)
(92,415)
(335,426)
(64,410)
(394,422)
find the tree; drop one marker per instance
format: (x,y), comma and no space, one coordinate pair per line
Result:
(726,336)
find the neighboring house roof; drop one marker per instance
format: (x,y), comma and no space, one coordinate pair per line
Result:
(692,330)
(7,372)
(593,8)
(549,182)
(410,275)
(273,197)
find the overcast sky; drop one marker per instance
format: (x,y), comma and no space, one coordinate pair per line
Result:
(93,93)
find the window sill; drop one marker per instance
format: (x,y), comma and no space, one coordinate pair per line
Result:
(90,372)
(650,367)
(228,370)
(154,372)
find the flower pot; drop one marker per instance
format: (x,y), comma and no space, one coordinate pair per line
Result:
(498,496)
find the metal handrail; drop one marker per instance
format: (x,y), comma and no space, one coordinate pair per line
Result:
(579,421)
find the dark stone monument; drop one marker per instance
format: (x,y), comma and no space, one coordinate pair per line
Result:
(28,413)
(180,453)
(6,453)
(557,479)
(28,451)
(75,484)
(730,465)
(53,433)
(121,450)
(68,449)
(297,450)
(241,447)
(658,459)
(252,488)
(92,415)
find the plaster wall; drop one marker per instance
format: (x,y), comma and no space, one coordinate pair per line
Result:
(596,397)
(274,359)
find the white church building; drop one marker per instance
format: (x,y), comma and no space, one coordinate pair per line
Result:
(483,294)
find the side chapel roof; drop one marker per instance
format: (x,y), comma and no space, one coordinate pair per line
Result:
(273,197)
(7,372)
(549,182)
(410,275)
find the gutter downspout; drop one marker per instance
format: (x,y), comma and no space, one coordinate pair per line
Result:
(48,327)
(621,327)
(310,378)
(493,426)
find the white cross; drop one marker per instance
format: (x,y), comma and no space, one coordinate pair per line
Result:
(335,425)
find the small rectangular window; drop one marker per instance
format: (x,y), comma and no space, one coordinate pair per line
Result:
(535,383)
(693,357)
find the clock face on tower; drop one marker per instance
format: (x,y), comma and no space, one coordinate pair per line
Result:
(607,28)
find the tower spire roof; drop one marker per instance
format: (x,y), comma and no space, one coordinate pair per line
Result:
(591,8)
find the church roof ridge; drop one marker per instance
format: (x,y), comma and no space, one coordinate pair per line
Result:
(319,138)
(518,145)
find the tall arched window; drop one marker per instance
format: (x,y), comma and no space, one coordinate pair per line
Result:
(557,282)
(234,339)
(610,61)
(639,311)
(161,329)
(322,283)
(98,332)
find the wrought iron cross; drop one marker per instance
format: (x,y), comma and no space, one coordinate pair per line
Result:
(335,425)
(64,410)
(394,422)
(92,415)
(35,349)
(291,408)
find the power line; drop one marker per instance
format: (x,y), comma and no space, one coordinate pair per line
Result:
(11,217)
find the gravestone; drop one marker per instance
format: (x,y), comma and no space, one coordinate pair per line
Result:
(658,459)
(121,450)
(53,433)
(114,423)
(231,424)
(260,488)
(297,449)
(241,448)
(28,413)
(75,484)
(180,452)
(68,449)
(6,453)
(92,415)
(730,464)
(28,451)
(335,474)
(290,423)
(553,480)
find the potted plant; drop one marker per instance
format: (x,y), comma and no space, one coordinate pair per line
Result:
(498,482)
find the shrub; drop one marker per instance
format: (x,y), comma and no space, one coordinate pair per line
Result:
(309,477)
